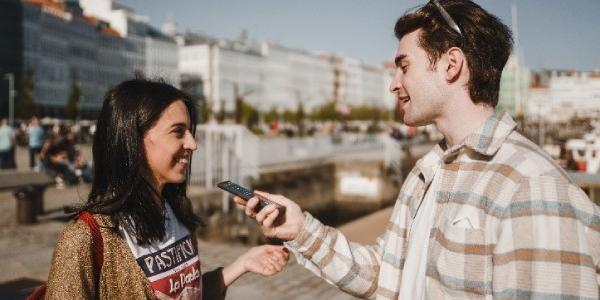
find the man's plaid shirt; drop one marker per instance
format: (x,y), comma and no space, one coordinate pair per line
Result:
(531,232)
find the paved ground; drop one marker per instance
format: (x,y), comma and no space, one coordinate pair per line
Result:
(26,251)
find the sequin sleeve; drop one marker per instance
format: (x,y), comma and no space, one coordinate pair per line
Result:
(71,273)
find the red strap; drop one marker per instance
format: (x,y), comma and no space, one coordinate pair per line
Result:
(97,243)
(38,293)
(97,252)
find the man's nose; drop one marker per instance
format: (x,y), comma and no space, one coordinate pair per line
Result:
(396,84)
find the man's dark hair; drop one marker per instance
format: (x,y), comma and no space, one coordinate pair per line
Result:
(120,186)
(486,42)
(57,146)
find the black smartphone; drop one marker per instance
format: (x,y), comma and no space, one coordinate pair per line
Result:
(246,194)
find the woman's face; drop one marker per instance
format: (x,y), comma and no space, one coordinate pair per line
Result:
(169,145)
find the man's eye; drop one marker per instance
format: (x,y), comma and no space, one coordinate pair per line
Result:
(179,132)
(404,68)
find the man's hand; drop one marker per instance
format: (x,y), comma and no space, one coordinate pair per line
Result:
(286,227)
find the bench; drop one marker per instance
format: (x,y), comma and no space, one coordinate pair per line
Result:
(12,179)
(28,187)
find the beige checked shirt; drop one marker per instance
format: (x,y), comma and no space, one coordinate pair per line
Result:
(509,223)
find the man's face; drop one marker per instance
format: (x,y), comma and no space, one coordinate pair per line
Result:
(416,84)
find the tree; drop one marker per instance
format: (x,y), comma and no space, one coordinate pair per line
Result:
(365,112)
(240,104)
(221,113)
(272,115)
(205,111)
(325,112)
(25,106)
(288,116)
(72,108)
(249,115)
(300,115)
(194,86)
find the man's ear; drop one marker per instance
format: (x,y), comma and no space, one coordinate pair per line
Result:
(456,60)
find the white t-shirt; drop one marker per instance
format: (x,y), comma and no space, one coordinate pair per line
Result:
(172,266)
(415,267)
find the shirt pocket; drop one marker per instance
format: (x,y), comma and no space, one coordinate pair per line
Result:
(462,260)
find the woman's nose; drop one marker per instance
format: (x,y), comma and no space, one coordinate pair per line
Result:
(190,142)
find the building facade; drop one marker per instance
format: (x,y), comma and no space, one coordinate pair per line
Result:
(514,88)
(576,90)
(94,45)
(11,49)
(162,58)
(559,95)
(269,75)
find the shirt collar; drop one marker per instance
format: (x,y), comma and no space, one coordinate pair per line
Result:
(486,140)
(428,163)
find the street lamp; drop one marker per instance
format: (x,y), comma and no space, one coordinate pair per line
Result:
(11,97)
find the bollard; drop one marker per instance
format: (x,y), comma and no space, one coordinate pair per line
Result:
(38,194)
(26,206)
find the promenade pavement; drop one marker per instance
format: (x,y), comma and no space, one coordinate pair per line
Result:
(26,252)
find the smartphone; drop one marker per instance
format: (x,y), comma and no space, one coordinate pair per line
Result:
(246,194)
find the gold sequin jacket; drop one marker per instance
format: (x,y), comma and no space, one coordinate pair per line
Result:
(72,271)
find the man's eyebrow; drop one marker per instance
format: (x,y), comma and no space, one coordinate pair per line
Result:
(398,60)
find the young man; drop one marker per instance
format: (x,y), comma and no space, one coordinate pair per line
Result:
(484,214)
(35,134)
(7,145)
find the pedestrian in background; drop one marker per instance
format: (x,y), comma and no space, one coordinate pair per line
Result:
(7,144)
(35,134)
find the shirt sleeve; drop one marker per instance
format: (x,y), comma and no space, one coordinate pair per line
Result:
(326,252)
(213,285)
(548,243)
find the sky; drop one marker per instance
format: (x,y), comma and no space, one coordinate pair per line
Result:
(552,34)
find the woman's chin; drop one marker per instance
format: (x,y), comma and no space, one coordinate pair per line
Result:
(177,179)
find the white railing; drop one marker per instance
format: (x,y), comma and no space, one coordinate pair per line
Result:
(392,158)
(232,152)
(225,152)
(281,150)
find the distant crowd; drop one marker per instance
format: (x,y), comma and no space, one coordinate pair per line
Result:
(52,149)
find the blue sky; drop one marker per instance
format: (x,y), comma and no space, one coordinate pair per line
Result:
(553,34)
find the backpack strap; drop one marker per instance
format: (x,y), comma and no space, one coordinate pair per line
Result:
(97,242)
(97,253)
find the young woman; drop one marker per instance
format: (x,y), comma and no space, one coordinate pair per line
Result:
(141,154)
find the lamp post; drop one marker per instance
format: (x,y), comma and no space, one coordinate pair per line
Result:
(11,97)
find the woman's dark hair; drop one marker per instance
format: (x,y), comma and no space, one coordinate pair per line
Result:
(486,42)
(120,186)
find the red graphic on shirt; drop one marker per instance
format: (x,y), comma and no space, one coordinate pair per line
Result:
(183,284)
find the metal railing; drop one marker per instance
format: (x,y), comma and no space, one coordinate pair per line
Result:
(232,152)
(225,152)
(281,150)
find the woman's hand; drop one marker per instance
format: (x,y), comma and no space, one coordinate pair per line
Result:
(264,260)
